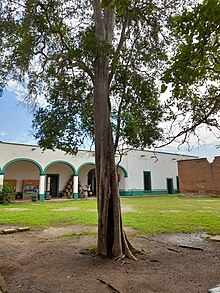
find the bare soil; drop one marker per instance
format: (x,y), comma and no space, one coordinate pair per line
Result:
(41,261)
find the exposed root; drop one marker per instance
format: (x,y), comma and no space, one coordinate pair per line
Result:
(140,252)
(118,258)
(125,262)
(190,247)
(109,285)
(127,247)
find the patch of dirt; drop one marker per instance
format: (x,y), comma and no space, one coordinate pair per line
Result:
(39,261)
(16,209)
(127,209)
(171,211)
(66,209)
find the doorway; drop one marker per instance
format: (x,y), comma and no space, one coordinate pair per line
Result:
(92,181)
(170,185)
(53,184)
(147,180)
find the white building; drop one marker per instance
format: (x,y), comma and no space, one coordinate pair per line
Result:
(32,170)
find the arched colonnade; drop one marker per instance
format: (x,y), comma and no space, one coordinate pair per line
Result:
(57,179)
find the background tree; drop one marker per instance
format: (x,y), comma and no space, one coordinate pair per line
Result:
(97,65)
(195,69)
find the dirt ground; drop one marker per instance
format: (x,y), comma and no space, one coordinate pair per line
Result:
(41,261)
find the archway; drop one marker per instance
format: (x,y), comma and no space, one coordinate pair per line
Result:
(59,179)
(24,175)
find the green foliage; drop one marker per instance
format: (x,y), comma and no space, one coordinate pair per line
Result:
(6,193)
(54,57)
(194,74)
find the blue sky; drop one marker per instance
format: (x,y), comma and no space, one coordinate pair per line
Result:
(16,120)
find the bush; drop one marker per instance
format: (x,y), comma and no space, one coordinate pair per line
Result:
(6,193)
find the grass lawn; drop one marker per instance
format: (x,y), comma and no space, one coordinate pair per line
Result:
(150,215)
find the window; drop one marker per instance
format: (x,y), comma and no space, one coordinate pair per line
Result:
(147,180)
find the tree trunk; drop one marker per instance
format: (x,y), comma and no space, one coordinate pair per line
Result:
(111,236)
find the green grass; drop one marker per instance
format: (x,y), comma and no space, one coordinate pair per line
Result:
(150,215)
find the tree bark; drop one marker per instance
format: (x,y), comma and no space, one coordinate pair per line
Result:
(111,236)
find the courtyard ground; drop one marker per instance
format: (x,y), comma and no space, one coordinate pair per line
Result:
(40,260)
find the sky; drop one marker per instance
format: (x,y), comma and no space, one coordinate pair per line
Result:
(16,120)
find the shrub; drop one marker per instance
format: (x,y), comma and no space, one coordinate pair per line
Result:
(6,193)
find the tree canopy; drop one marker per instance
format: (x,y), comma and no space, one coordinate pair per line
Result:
(51,47)
(194,73)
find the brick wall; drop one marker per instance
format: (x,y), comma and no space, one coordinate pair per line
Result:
(199,177)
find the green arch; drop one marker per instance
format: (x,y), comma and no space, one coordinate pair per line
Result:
(84,164)
(123,169)
(26,160)
(92,163)
(63,162)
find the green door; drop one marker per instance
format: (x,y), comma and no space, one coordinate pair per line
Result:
(169,185)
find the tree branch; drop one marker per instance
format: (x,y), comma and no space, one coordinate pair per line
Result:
(120,44)
(192,128)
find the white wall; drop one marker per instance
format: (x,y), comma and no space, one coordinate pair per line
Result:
(10,151)
(161,166)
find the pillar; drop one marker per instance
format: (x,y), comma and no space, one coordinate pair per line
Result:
(1,180)
(126,183)
(75,187)
(42,187)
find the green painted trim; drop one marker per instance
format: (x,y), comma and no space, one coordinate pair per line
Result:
(92,163)
(75,196)
(176,191)
(124,193)
(1,172)
(141,192)
(123,169)
(62,162)
(41,197)
(26,160)
(84,164)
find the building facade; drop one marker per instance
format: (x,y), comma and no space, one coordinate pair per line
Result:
(57,174)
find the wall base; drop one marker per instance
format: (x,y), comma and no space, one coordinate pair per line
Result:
(139,192)
(41,197)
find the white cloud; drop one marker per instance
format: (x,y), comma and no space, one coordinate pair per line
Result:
(3,133)
(25,138)
(21,92)
(18,89)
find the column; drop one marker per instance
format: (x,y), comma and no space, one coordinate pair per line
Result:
(126,187)
(75,187)
(42,187)
(1,180)
(126,183)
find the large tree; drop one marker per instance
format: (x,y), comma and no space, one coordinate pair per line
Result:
(97,64)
